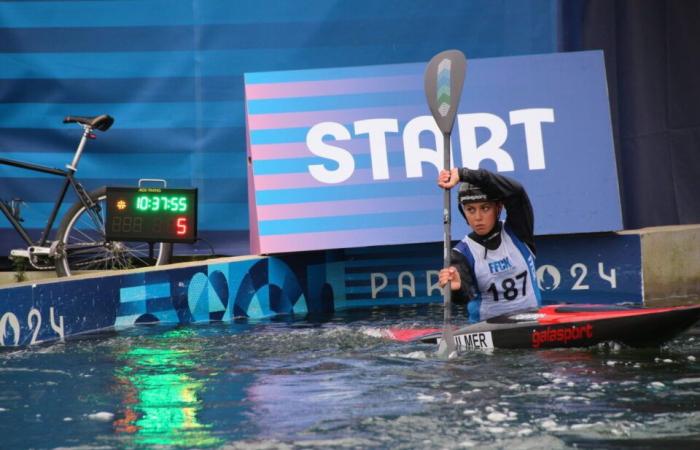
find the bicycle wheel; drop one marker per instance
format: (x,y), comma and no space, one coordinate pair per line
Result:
(82,245)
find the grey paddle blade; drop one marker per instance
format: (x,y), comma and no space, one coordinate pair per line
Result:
(446,348)
(444,78)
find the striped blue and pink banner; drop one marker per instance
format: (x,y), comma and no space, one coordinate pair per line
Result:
(295,210)
(348,157)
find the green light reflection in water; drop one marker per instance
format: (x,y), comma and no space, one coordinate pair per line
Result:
(161,398)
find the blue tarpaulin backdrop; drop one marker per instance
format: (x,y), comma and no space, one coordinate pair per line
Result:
(171,73)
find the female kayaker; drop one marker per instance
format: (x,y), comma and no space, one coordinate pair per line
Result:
(493,267)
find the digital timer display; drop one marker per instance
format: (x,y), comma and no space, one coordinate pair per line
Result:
(172,203)
(149,214)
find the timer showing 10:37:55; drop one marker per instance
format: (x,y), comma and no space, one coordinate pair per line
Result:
(157,203)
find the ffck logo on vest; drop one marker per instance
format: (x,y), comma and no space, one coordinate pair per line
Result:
(500,266)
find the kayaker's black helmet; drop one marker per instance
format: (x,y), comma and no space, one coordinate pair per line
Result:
(470,193)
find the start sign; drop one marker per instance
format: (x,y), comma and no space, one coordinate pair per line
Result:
(151,214)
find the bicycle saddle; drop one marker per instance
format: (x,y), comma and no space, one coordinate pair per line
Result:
(102,122)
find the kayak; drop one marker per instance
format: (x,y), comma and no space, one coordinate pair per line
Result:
(557,326)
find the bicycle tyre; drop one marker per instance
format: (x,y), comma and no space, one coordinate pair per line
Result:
(82,245)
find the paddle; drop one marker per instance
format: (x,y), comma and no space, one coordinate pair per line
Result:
(444,78)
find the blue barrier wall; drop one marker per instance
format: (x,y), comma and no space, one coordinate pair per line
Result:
(593,268)
(604,270)
(171,73)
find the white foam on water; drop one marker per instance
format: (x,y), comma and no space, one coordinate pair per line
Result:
(101,416)
(497,417)
(473,391)
(548,424)
(691,358)
(416,355)
(687,381)
(616,432)
(420,355)
(373,332)
(656,385)
(425,398)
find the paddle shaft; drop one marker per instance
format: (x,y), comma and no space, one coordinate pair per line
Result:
(447,346)
(447,231)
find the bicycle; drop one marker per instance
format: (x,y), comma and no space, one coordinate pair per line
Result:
(79,242)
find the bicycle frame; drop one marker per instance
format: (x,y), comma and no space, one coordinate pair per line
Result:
(69,181)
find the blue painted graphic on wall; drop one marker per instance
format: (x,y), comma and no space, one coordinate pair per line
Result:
(251,288)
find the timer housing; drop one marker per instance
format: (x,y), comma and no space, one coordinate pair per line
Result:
(151,214)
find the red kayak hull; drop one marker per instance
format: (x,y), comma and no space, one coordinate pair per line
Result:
(557,326)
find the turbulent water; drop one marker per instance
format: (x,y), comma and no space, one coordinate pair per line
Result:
(332,384)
